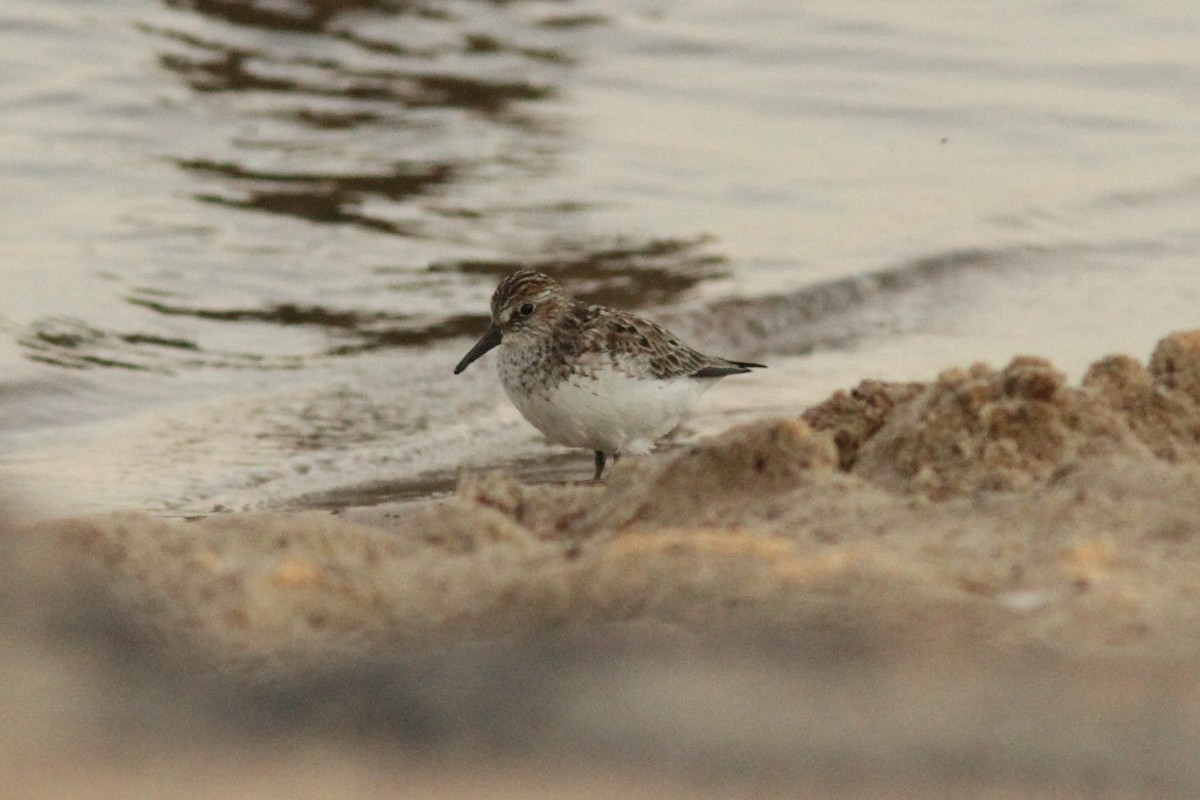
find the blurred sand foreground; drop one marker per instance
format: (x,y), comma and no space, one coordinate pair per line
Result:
(984,586)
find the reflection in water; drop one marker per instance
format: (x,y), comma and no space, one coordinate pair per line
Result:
(295,16)
(225,69)
(322,197)
(425,123)
(74,344)
(421,122)
(212,65)
(77,345)
(653,273)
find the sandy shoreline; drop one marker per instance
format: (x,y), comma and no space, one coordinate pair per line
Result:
(987,584)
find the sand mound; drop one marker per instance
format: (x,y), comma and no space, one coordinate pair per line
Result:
(1010,429)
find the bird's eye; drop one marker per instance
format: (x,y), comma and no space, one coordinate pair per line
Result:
(525,310)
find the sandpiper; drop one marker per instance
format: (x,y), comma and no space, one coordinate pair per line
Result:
(589,376)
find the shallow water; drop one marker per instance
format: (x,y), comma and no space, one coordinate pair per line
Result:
(246,242)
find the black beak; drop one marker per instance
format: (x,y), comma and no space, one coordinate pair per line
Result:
(491,338)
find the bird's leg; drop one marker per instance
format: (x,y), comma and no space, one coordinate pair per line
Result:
(600,464)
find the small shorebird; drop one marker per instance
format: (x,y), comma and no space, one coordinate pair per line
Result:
(589,376)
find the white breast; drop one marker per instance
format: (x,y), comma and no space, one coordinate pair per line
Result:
(603,408)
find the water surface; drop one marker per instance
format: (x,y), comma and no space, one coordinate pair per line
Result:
(246,242)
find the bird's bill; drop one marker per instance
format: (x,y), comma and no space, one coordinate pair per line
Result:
(491,338)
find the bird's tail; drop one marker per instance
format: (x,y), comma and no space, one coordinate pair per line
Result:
(726,368)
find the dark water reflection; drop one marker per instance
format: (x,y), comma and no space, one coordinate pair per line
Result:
(74,344)
(220,68)
(322,197)
(365,118)
(308,16)
(654,272)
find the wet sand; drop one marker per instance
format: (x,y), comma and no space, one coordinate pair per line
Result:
(987,585)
